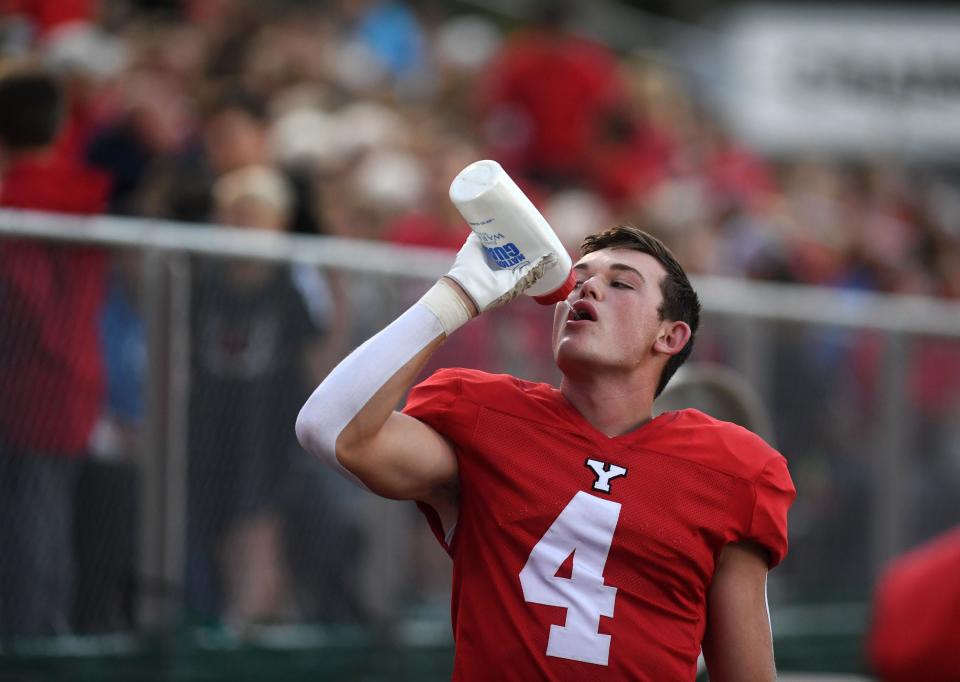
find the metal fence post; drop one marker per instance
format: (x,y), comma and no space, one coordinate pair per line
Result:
(178,423)
(751,355)
(889,466)
(151,596)
(163,455)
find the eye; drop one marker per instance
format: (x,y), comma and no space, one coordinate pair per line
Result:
(617,284)
(577,284)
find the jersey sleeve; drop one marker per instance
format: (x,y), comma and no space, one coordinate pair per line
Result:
(774,493)
(434,401)
(914,628)
(438,402)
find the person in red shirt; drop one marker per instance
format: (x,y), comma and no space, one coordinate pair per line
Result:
(589,540)
(545,99)
(915,632)
(49,15)
(50,357)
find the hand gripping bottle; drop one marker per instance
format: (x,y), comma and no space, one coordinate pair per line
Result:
(510,227)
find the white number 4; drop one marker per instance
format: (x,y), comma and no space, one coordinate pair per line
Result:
(585,528)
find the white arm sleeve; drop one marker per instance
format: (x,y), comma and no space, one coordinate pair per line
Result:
(353,382)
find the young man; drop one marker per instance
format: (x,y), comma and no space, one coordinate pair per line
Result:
(589,541)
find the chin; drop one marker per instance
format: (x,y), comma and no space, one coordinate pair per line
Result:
(573,360)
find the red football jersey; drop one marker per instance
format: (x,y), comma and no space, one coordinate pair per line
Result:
(582,557)
(915,633)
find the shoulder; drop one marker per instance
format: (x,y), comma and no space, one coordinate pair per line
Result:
(502,393)
(451,400)
(478,386)
(722,445)
(761,501)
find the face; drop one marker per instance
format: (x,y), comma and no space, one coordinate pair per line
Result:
(610,320)
(233,140)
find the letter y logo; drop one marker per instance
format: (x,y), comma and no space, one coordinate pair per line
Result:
(604,473)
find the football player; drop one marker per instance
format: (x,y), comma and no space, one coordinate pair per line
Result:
(589,540)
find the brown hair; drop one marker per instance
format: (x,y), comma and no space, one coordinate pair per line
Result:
(31,110)
(680,301)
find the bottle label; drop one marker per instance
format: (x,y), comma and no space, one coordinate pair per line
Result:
(505,256)
(501,253)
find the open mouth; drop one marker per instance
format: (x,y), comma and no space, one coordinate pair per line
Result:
(582,311)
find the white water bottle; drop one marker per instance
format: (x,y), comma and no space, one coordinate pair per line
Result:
(510,227)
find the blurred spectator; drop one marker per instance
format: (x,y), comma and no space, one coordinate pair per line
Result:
(150,132)
(49,15)
(50,360)
(545,99)
(392,34)
(464,44)
(236,136)
(915,634)
(258,332)
(555,108)
(430,218)
(635,148)
(107,519)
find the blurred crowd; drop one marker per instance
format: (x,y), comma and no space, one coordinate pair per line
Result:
(368,108)
(350,118)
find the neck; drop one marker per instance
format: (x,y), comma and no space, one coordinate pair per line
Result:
(613,404)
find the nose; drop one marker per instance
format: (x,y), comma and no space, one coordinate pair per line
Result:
(592,288)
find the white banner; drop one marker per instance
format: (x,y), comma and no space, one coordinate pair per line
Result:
(861,81)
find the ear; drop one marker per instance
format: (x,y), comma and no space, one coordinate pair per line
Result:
(674,335)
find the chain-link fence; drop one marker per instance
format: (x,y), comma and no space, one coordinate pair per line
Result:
(151,477)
